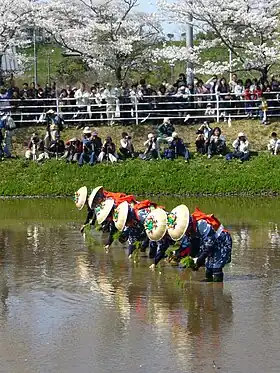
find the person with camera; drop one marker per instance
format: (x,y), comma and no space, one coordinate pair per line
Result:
(151,148)
(73,150)
(126,148)
(108,151)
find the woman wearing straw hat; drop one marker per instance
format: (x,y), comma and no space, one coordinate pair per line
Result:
(203,236)
(156,229)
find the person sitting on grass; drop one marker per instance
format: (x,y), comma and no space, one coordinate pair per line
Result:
(241,149)
(177,148)
(165,131)
(108,151)
(73,150)
(35,147)
(217,143)
(274,144)
(126,148)
(88,155)
(151,148)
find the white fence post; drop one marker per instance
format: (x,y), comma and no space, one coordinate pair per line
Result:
(218,107)
(136,112)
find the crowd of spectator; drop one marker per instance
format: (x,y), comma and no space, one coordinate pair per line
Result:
(164,143)
(108,104)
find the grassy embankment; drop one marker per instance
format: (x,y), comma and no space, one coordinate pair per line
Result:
(200,176)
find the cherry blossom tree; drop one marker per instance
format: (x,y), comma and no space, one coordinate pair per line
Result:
(250,29)
(14,17)
(109,34)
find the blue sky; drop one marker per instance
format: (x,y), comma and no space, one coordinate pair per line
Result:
(150,6)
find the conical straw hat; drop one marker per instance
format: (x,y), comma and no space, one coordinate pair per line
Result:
(178,222)
(155,224)
(93,195)
(120,216)
(81,197)
(103,210)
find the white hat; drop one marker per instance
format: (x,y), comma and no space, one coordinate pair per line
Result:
(178,222)
(151,136)
(120,216)
(81,197)
(93,195)
(73,139)
(155,224)
(174,135)
(103,210)
(53,127)
(241,134)
(166,120)
(86,130)
(51,111)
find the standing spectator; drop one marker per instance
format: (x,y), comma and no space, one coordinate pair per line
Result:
(224,92)
(110,98)
(108,151)
(264,110)
(241,149)
(274,144)
(126,148)
(233,83)
(217,144)
(82,102)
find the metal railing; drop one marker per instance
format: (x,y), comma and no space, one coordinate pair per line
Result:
(213,107)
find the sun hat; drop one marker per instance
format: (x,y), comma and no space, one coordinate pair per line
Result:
(51,111)
(95,133)
(80,197)
(241,134)
(166,120)
(156,224)
(174,135)
(93,195)
(178,222)
(120,215)
(103,210)
(86,130)
(73,139)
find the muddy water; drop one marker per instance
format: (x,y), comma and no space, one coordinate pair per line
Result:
(68,307)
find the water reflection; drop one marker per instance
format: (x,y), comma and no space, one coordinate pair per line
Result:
(108,314)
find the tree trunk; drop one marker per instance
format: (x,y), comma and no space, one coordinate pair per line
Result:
(264,73)
(118,73)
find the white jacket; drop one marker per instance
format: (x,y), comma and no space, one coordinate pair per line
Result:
(241,146)
(274,145)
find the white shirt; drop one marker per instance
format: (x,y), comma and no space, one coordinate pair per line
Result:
(241,146)
(82,98)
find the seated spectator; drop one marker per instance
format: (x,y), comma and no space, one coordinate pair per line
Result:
(96,143)
(88,155)
(151,151)
(241,149)
(126,149)
(217,144)
(178,148)
(200,143)
(108,151)
(165,131)
(274,144)
(57,148)
(36,149)
(73,150)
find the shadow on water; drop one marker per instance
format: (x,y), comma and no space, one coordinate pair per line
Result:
(68,307)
